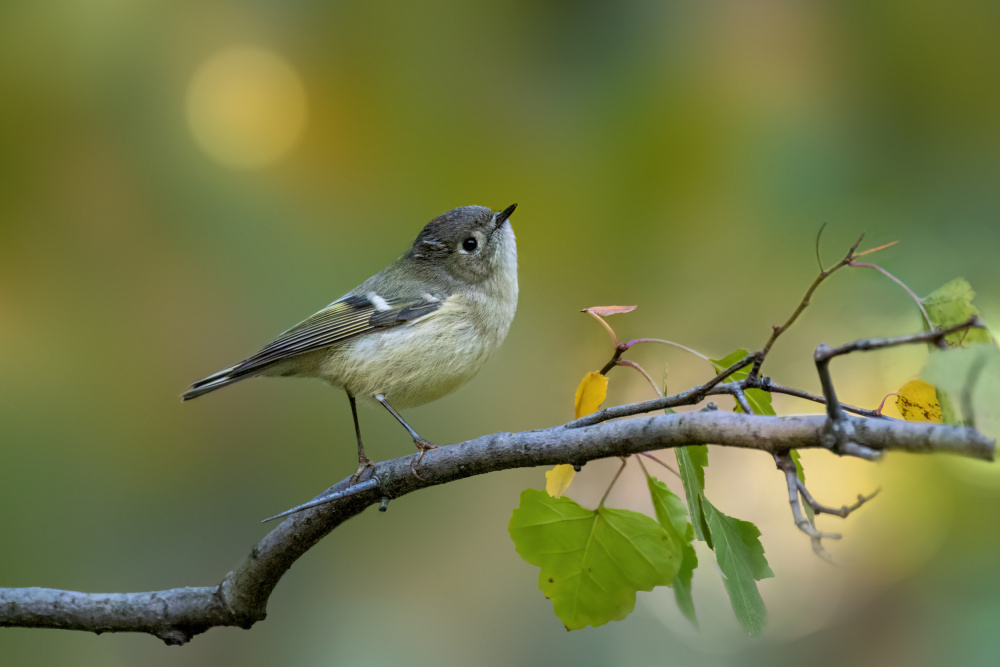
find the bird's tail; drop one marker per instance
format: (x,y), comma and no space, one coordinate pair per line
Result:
(215,381)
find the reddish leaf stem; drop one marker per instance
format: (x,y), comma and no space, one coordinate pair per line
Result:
(632,364)
(920,305)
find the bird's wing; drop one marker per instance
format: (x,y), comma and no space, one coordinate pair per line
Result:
(349,317)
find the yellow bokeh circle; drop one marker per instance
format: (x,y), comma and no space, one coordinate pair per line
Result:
(246,106)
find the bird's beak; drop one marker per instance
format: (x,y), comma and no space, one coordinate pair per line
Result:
(504,214)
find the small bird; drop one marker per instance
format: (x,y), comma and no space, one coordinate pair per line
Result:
(412,333)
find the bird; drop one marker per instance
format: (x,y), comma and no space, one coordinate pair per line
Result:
(410,334)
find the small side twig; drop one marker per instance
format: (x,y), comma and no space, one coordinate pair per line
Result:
(741,398)
(360,487)
(766,384)
(616,357)
(776,330)
(842,511)
(839,431)
(691,396)
(802,522)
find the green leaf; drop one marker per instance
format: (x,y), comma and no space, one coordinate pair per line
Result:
(691,462)
(741,559)
(951,304)
(965,378)
(673,517)
(759,400)
(591,562)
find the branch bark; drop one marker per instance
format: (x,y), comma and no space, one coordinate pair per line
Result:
(240,600)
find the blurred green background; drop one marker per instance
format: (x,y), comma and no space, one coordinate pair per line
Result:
(159,221)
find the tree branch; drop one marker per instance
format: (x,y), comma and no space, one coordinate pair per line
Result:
(840,429)
(240,600)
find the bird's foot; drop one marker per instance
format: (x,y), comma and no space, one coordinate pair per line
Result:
(363,464)
(424,447)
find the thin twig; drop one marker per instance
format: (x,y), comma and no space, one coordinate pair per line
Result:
(935,337)
(843,511)
(916,299)
(802,522)
(692,396)
(824,353)
(766,384)
(778,330)
(819,235)
(840,436)
(741,398)
(619,350)
(360,487)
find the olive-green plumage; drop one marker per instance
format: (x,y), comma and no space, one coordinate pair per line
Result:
(413,332)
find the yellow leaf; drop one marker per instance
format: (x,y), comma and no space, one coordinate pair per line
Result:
(558,479)
(590,394)
(917,401)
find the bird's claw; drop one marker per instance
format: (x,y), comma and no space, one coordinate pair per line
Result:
(363,464)
(424,447)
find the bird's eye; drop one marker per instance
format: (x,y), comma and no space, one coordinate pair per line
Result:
(470,244)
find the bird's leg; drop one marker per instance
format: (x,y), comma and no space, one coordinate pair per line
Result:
(363,461)
(421,444)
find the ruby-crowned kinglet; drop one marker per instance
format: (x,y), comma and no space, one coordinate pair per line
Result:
(413,332)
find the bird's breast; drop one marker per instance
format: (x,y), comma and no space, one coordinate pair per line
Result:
(423,360)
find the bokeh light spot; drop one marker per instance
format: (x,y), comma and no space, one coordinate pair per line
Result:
(246,106)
